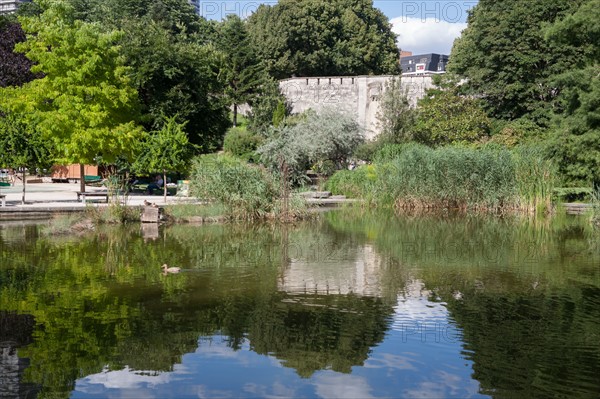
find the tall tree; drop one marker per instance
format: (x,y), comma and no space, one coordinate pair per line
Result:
(85,103)
(396,117)
(175,64)
(505,59)
(242,71)
(318,38)
(576,140)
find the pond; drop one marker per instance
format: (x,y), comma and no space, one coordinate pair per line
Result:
(352,306)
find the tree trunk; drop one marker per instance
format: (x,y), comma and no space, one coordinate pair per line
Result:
(82,178)
(235,112)
(24,183)
(165,185)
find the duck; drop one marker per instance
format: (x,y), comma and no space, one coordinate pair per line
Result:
(167,269)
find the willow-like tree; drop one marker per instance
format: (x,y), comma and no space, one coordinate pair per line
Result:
(165,150)
(85,104)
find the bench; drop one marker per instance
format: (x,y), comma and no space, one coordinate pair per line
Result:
(81,196)
(3,198)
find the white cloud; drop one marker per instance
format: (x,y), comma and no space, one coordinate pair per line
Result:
(429,35)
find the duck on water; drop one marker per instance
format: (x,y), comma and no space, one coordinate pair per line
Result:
(166,269)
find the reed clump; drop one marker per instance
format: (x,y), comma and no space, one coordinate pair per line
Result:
(453,177)
(246,191)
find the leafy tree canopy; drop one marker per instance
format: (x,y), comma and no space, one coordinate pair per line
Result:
(85,103)
(444,116)
(576,140)
(317,38)
(505,59)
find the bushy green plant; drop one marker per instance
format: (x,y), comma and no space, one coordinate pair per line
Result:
(489,178)
(325,136)
(242,143)
(357,183)
(247,191)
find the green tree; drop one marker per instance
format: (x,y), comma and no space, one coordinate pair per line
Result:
(22,147)
(506,60)
(266,107)
(175,64)
(167,149)
(445,116)
(396,117)
(85,103)
(242,71)
(575,143)
(317,38)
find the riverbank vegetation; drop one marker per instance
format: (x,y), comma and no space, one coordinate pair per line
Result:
(152,87)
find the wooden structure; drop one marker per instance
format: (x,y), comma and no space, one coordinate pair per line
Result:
(71,173)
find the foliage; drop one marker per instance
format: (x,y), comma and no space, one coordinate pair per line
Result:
(242,71)
(85,103)
(446,117)
(165,150)
(490,178)
(396,117)
(185,212)
(316,38)
(357,183)
(15,68)
(174,63)
(575,141)
(314,140)
(514,133)
(22,146)
(506,60)
(265,104)
(242,143)
(115,213)
(247,191)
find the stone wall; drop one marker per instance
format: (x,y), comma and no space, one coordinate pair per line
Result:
(357,95)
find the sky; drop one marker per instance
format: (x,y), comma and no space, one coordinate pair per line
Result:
(423,26)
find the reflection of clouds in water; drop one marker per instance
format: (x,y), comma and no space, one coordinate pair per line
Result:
(391,361)
(333,385)
(277,390)
(127,379)
(442,385)
(415,305)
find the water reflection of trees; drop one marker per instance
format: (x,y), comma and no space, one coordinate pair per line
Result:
(525,294)
(100,300)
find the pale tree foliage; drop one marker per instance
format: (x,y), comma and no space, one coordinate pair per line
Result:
(318,139)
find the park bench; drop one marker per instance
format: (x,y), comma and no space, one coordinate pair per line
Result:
(92,179)
(81,196)
(3,198)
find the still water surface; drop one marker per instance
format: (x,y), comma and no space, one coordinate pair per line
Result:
(349,306)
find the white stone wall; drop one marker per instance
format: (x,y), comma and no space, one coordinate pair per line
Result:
(358,95)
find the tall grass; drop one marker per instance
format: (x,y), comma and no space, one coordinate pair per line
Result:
(489,178)
(246,191)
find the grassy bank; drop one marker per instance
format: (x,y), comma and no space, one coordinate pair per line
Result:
(490,179)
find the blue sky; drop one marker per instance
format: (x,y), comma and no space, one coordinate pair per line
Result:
(423,26)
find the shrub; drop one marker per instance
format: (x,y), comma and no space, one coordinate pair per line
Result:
(357,183)
(315,139)
(242,143)
(247,191)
